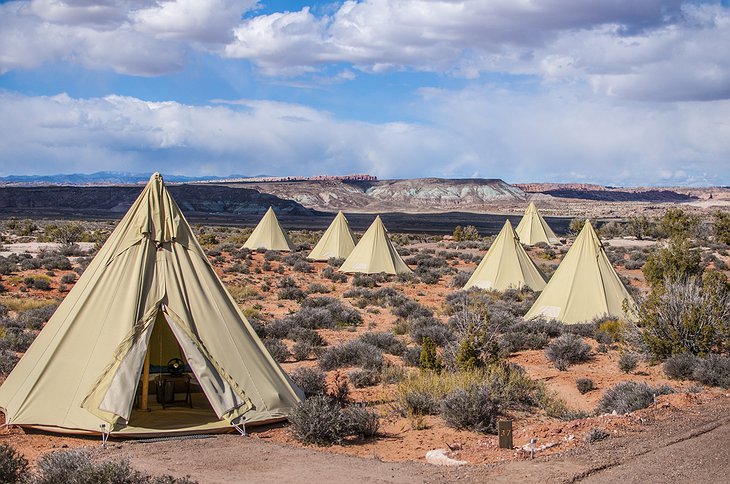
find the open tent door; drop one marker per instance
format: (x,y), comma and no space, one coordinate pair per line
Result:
(164,337)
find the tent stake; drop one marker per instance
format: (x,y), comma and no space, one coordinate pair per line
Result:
(145,382)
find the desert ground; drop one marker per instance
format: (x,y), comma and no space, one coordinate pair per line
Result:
(682,436)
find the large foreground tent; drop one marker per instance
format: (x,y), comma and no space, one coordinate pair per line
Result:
(149,297)
(533,228)
(337,241)
(268,234)
(506,265)
(584,286)
(375,253)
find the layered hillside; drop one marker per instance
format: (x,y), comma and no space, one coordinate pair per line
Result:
(105,200)
(414,195)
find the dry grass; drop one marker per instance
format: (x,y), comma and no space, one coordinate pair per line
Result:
(22,304)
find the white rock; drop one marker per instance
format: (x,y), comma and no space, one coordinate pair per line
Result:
(438,457)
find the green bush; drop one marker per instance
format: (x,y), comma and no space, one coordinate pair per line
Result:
(686,316)
(678,261)
(721,227)
(429,359)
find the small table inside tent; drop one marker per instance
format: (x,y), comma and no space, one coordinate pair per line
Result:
(170,386)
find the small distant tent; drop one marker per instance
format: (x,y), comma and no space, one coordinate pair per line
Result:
(337,241)
(506,265)
(269,235)
(533,228)
(148,297)
(375,253)
(584,286)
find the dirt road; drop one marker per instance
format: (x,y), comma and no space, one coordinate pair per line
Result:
(691,446)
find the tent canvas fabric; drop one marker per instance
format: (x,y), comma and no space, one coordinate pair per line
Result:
(506,265)
(151,281)
(375,253)
(337,241)
(269,235)
(584,286)
(533,228)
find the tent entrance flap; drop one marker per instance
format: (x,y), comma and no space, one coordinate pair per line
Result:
(222,397)
(164,339)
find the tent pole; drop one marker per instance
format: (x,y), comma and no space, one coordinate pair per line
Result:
(145,382)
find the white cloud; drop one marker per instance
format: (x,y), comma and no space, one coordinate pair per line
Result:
(138,37)
(554,135)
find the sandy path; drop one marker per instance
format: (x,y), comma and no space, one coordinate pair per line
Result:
(690,446)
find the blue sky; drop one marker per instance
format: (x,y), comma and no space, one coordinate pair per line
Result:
(621,92)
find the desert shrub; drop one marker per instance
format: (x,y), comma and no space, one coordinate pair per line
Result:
(320,420)
(530,335)
(392,374)
(385,341)
(566,350)
(13,466)
(8,360)
(465,233)
(333,275)
(431,328)
(586,330)
(76,467)
(686,316)
(429,276)
(277,349)
(628,361)
(412,356)
(714,370)
(411,309)
(302,349)
(270,255)
(352,353)
(305,335)
(16,339)
(68,278)
(361,378)
(678,224)
(335,261)
(721,227)
(35,318)
(364,280)
(584,385)
(41,283)
(302,266)
(429,359)
(677,261)
(596,434)
(360,421)
(628,396)
(611,327)
(680,366)
(3,289)
(470,408)
(293,293)
(460,279)
(317,288)
(310,380)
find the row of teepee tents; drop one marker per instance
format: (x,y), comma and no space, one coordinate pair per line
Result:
(374,253)
(584,286)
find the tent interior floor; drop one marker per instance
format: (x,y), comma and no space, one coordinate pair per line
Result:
(178,418)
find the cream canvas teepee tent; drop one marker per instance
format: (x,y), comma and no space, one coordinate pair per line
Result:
(375,253)
(506,265)
(584,286)
(148,294)
(337,241)
(533,228)
(268,234)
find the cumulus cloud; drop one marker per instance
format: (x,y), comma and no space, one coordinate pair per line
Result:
(63,134)
(138,37)
(556,134)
